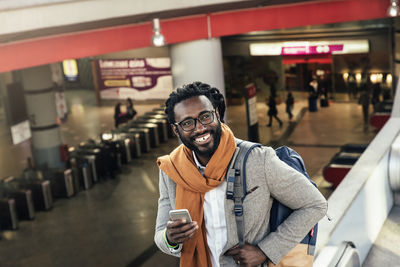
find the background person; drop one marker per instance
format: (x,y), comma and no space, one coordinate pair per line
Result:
(117,114)
(130,110)
(365,101)
(193,177)
(272,111)
(289,105)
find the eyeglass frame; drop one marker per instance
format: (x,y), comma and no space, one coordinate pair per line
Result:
(212,112)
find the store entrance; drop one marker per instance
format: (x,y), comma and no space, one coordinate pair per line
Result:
(300,71)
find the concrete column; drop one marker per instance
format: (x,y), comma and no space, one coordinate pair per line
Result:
(39,95)
(396,52)
(199,60)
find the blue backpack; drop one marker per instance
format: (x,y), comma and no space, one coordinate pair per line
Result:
(236,189)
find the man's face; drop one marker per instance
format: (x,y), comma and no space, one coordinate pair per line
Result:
(203,139)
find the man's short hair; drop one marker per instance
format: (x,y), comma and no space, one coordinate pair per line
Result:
(195,89)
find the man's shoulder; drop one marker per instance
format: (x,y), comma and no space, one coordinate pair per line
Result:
(262,153)
(164,178)
(259,155)
(258,148)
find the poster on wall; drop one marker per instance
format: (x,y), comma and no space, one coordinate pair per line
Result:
(70,70)
(139,78)
(21,132)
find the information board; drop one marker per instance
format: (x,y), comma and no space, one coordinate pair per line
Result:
(139,78)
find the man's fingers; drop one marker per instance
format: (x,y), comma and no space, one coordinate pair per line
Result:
(177,223)
(185,231)
(180,227)
(181,232)
(233,251)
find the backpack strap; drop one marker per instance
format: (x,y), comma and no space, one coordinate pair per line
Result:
(236,179)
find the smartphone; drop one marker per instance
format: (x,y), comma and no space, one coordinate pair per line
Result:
(180,215)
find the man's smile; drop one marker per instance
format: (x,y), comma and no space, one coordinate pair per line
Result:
(202,139)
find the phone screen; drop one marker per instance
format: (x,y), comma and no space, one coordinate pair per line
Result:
(180,214)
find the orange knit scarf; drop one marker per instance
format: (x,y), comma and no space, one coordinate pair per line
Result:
(191,187)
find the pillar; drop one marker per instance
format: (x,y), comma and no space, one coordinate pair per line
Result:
(395,52)
(199,60)
(39,95)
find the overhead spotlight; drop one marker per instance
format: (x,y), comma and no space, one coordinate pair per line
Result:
(393,10)
(157,39)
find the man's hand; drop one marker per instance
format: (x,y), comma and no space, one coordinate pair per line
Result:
(180,231)
(247,255)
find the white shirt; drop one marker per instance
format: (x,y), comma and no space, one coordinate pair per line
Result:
(214,217)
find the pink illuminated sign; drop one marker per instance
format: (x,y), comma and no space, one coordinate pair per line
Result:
(310,50)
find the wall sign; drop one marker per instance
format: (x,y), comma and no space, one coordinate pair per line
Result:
(309,48)
(139,79)
(20,132)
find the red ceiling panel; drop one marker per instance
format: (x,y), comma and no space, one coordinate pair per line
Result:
(51,49)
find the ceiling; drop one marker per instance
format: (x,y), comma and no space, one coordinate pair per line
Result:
(240,20)
(127,20)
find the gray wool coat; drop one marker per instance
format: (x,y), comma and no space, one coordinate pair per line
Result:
(275,179)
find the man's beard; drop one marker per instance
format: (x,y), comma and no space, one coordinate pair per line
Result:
(215,133)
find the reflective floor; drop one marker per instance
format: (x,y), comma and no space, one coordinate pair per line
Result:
(112,224)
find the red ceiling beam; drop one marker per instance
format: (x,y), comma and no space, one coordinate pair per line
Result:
(296,15)
(34,52)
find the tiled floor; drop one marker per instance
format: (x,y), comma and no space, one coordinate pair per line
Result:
(112,224)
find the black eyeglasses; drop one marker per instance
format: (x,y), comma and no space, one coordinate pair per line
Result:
(189,124)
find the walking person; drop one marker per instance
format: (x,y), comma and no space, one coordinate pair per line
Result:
(130,110)
(289,105)
(365,101)
(273,111)
(193,177)
(313,94)
(117,114)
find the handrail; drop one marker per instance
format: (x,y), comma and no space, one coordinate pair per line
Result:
(355,217)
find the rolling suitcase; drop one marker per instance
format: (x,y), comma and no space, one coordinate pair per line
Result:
(323,102)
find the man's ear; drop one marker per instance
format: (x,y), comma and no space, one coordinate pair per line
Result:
(175,130)
(217,114)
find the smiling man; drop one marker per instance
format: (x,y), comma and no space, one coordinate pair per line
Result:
(193,177)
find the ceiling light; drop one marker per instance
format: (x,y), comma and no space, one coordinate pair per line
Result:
(157,39)
(393,10)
